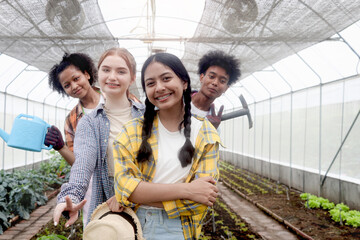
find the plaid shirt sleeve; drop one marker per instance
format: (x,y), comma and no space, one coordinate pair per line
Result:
(205,164)
(86,155)
(71,121)
(127,173)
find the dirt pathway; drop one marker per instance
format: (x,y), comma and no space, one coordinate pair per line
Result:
(264,225)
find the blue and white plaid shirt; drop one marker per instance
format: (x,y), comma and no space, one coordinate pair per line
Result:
(90,145)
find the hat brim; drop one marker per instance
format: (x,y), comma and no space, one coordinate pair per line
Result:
(103,210)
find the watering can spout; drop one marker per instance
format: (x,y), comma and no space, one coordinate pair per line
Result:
(4,135)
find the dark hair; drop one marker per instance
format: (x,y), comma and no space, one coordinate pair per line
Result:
(79,60)
(223,60)
(186,152)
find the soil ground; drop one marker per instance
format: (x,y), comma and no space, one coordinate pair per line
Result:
(287,204)
(225,224)
(220,223)
(60,229)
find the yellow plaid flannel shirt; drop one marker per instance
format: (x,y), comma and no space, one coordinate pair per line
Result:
(128,172)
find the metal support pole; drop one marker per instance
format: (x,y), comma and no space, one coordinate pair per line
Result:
(233,140)
(27,111)
(341,145)
(56,107)
(254,100)
(43,117)
(5,96)
(270,97)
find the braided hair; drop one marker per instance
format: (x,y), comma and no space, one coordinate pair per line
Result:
(186,152)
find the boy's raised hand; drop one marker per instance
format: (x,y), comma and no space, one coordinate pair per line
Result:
(213,118)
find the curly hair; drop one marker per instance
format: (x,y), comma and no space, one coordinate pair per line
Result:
(186,152)
(79,60)
(223,60)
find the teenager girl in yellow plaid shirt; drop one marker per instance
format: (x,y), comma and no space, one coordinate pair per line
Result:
(166,162)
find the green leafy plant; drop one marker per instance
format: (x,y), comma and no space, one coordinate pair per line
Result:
(313,203)
(343,207)
(304,196)
(350,217)
(4,213)
(322,200)
(353,218)
(22,191)
(52,237)
(339,212)
(328,206)
(335,214)
(56,165)
(251,236)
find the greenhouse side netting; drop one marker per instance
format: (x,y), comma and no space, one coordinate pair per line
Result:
(296,137)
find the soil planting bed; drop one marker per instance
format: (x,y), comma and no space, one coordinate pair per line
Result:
(285,205)
(223,223)
(228,225)
(60,229)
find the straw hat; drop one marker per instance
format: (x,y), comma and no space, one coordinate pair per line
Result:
(108,225)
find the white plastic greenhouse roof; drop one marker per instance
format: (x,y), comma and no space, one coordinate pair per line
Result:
(283,45)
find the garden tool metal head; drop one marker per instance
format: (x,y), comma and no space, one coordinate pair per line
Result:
(238,113)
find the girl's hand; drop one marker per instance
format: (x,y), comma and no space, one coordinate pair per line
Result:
(203,190)
(114,205)
(73,210)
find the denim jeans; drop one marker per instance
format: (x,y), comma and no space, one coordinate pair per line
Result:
(156,225)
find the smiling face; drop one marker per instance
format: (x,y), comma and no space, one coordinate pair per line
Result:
(214,82)
(114,76)
(74,82)
(163,87)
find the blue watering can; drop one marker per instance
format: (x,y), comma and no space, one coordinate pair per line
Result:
(28,133)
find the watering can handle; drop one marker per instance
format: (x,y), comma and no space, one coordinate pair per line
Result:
(50,146)
(24,115)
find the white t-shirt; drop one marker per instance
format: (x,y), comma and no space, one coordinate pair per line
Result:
(117,120)
(168,166)
(89,110)
(201,113)
(198,112)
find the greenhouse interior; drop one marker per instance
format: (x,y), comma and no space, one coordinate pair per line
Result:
(292,116)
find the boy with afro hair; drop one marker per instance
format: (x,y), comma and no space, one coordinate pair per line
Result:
(218,71)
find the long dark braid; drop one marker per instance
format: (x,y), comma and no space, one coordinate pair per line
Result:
(186,152)
(145,151)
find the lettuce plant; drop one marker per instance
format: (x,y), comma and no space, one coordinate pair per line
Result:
(328,206)
(337,212)
(353,218)
(343,207)
(52,237)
